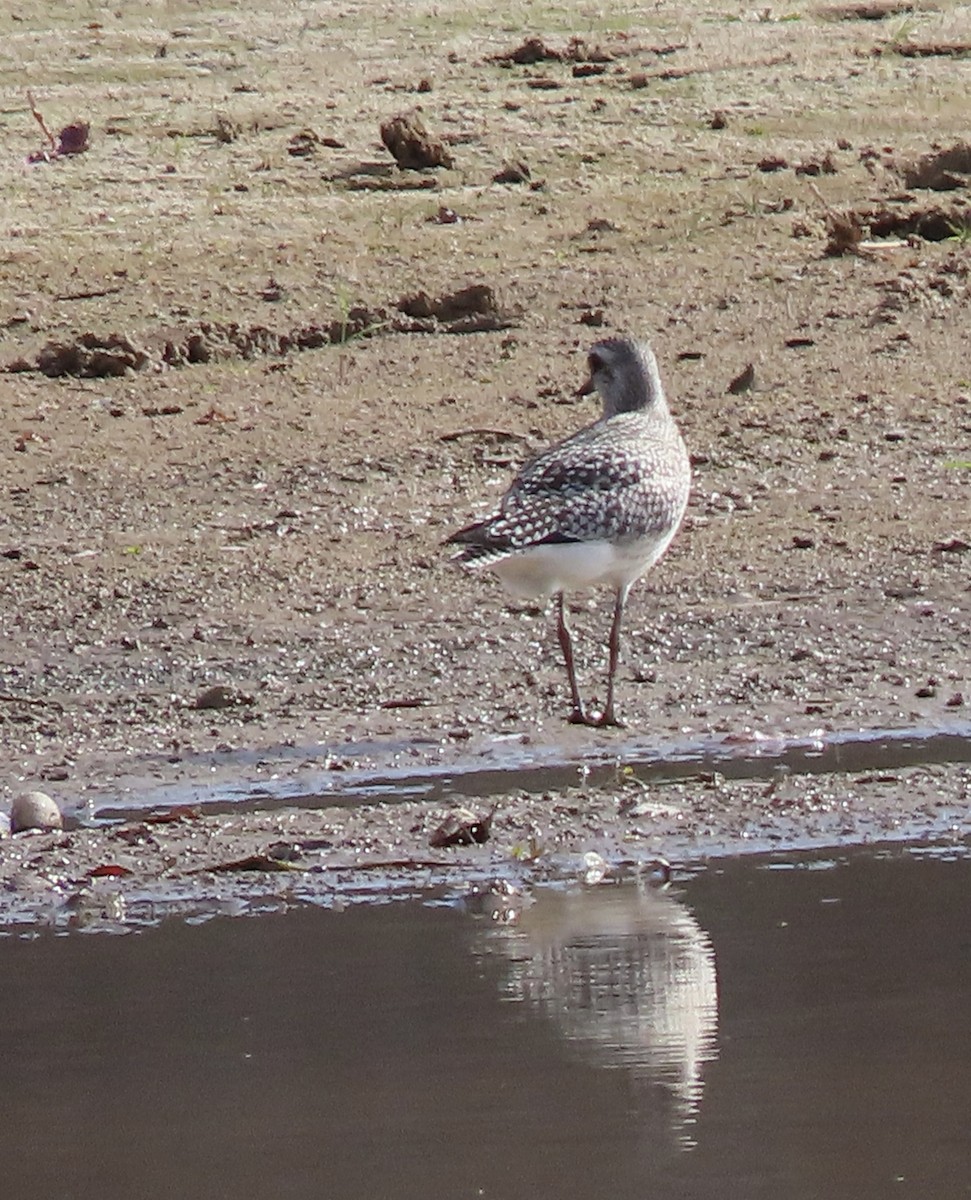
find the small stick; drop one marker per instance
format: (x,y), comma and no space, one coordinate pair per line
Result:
(41,122)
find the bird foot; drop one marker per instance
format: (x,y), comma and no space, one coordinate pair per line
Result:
(604,720)
(579,717)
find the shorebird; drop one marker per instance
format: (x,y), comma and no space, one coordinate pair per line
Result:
(600,507)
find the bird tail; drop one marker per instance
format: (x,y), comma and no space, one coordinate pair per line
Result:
(477,545)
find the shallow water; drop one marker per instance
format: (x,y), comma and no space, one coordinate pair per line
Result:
(293,776)
(775,1027)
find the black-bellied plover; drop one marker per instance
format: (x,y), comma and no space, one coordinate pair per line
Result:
(600,507)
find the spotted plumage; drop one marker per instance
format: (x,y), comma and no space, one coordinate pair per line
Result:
(600,507)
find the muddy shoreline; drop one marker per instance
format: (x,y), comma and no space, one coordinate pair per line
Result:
(255,841)
(253,373)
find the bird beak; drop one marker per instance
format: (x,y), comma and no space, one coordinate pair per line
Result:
(587,387)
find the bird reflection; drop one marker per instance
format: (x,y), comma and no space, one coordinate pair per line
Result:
(627,975)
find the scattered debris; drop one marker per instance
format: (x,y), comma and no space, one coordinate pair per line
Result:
(412,146)
(952,545)
(393,183)
(303,144)
(925,49)
(273,292)
(226,130)
(718,119)
(445,216)
(215,416)
(598,225)
(513,172)
(845,234)
(823,165)
(498,900)
(222,696)
(463,828)
(937,223)
(743,381)
(173,816)
(643,78)
(109,871)
(254,862)
(472,309)
(940,170)
(532,50)
(92,356)
(873,10)
(595,868)
(72,139)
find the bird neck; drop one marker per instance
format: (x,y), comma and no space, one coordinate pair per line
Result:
(638,390)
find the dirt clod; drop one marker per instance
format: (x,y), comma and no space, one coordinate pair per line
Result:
(226,130)
(940,170)
(513,172)
(872,10)
(74,138)
(474,308)
(221,695)
(412,146)
(532,50)
(845,234)
(823,165)
(927,49)
(92,356)
(932,223)
(303,144)
(743,381)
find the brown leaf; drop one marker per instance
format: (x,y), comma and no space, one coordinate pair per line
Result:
(171,816)
(255,862)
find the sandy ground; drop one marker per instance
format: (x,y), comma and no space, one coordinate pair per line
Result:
(244,395)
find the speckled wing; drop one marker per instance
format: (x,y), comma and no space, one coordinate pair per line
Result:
(626,477)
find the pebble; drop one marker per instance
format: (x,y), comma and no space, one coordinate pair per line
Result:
(34,810)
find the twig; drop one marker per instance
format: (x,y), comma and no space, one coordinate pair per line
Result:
(845,231)
(673,73)
(52,141)
(111,291)
(502,435)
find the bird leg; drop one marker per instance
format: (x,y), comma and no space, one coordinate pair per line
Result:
(608,716)
(578,716)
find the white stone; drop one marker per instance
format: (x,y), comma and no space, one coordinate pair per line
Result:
(34,810)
